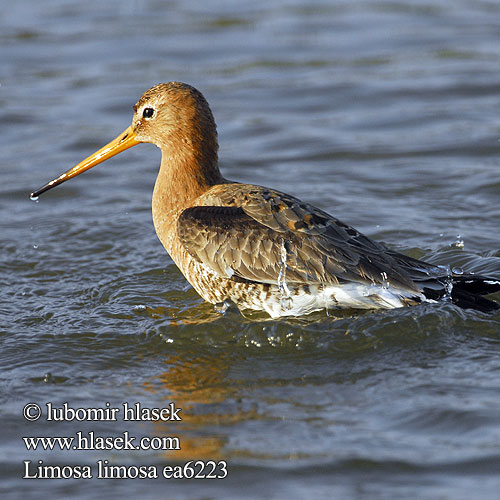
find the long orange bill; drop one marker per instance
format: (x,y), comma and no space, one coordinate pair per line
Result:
(124,141)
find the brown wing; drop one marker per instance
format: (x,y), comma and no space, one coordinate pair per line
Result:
(247,232)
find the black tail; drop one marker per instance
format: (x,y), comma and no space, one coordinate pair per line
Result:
(465,291)
(467,300)
(468,291)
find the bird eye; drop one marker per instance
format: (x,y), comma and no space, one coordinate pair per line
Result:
(148,112)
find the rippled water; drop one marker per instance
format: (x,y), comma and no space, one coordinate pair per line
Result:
(385,114)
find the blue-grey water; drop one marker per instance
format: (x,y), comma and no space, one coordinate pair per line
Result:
(386,114)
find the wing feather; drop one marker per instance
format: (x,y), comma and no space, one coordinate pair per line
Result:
(238,230)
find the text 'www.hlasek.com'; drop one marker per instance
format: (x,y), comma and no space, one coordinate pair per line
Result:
(90,440)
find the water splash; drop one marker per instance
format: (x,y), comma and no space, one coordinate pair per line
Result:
(221,307)
(448,282)
(459,243)
(385,280)
(325,300)
(286,299)
(448,287)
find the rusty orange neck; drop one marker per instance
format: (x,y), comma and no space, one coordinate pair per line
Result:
(185,174)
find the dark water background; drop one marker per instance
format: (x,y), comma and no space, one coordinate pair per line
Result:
(386,114)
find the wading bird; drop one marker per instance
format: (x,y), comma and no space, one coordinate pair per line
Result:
(258,247)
